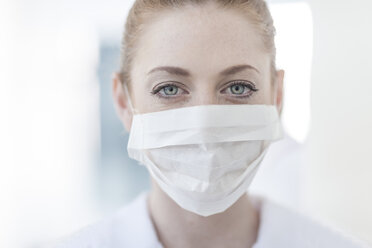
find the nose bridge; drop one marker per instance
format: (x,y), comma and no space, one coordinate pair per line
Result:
(205,94)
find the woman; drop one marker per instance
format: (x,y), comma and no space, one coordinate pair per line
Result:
(199,92)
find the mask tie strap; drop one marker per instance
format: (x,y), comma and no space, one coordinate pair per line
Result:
(134,111)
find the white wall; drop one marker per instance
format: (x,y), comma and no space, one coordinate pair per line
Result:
(50,127)
(339,173)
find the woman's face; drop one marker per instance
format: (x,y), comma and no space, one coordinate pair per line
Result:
(195,56)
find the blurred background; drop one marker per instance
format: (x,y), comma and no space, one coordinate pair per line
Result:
(63,159)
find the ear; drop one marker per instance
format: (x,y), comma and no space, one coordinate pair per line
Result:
(279,81)
(121,102)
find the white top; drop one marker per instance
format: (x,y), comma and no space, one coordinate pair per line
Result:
(131,226)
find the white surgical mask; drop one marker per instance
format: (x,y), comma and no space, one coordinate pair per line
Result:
(204,157)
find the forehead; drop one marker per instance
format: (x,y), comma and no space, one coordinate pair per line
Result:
(202,39)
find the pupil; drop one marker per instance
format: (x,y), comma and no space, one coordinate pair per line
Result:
(170,90)
(237,89)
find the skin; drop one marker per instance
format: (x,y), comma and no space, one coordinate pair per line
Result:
(205,41)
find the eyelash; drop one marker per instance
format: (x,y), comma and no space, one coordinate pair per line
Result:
(249,85)
(158,89)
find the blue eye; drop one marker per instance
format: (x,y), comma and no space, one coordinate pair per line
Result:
(170,90)
(240,89)
(237,89)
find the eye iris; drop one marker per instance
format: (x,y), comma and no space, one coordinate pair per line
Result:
(237,89)
(170,90)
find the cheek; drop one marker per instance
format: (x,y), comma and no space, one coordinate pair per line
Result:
(268,90)
(128,122)
(264,96)
(140,100)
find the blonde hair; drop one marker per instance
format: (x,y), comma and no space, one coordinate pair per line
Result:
(143,10)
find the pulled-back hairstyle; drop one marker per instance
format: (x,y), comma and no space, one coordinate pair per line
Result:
(143,10)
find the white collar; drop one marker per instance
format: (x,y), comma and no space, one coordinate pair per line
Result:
(280,226)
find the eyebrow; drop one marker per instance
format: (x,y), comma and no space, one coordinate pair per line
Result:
(182,72)
(237,68)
